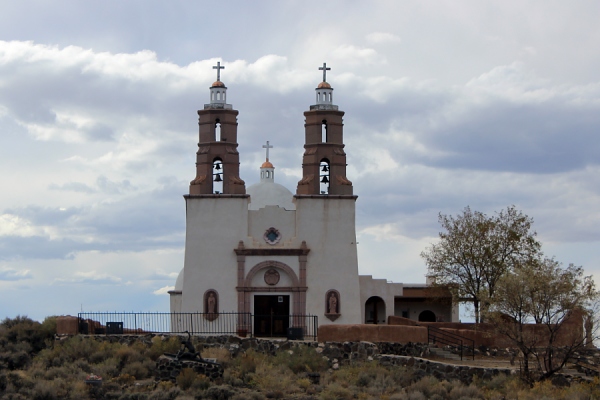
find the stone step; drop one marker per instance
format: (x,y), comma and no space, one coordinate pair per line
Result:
(436,351)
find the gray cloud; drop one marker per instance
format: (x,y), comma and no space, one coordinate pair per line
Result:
(9,274)
(72,187)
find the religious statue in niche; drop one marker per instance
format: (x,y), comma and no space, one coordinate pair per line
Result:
(332,304)
(272,277)
(211,305)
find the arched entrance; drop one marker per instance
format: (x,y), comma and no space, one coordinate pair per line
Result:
(375,310)
(427,316)
(273,298)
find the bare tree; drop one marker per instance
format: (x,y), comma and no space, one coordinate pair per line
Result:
(540,309)
(475,250)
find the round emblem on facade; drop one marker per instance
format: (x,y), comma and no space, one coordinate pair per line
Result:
(272,236)
(272,277)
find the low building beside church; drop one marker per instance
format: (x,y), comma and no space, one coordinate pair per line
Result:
(265,251)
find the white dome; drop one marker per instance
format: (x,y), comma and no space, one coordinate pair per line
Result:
(269,193)
(179,281)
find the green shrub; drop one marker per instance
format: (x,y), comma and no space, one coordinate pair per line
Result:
(222,355)
(44,390)
(125,379)
(169,394)
(272,378)
(247,362)
(424,386)
(416,396)
(18,359)
(107,369)
(222,392)
(335,391)
(249,396)
(186,378)
(201,383)
(136,369)
(162,345)
(20,380)
(24,329)
(461,391)
(302,359)
(382,384)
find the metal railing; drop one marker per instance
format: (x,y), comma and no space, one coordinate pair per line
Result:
(437,335)
(209,324)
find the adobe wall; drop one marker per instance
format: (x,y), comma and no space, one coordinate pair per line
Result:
(484,334)
(67,325)
(372,333)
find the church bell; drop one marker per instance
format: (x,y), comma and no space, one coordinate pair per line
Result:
(218,178)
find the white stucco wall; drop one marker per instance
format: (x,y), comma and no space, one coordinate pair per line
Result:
(272,216)
(328,227)
(214,227)
(387,291)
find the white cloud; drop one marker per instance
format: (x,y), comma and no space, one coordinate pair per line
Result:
(382,37)
(163,290)
(352,55)
(13,225)
(90,277)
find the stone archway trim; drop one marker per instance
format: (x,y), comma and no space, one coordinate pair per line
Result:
(273,264)
(244,281)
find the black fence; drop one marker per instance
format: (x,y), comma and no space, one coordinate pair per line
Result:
(462,344)
(210,324)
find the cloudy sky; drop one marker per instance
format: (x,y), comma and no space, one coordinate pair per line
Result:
(448,104)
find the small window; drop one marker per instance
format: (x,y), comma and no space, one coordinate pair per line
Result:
(217,130)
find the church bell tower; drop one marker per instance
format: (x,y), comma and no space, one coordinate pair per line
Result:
(324,160)
(217,158)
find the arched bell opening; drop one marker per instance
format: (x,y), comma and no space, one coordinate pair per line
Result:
(375,310)
(217,173)
(324,177)
(427,316)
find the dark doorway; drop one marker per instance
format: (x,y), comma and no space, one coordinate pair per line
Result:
(375,311)
(427,316)
(271,315)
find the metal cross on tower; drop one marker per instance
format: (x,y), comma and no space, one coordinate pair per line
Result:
(218,67)
(324,69)
(267,146)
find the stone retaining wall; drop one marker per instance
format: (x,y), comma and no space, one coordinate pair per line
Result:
(442,371)
(169,368)
(337,353)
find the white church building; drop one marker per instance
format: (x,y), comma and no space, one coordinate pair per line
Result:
(263,250)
